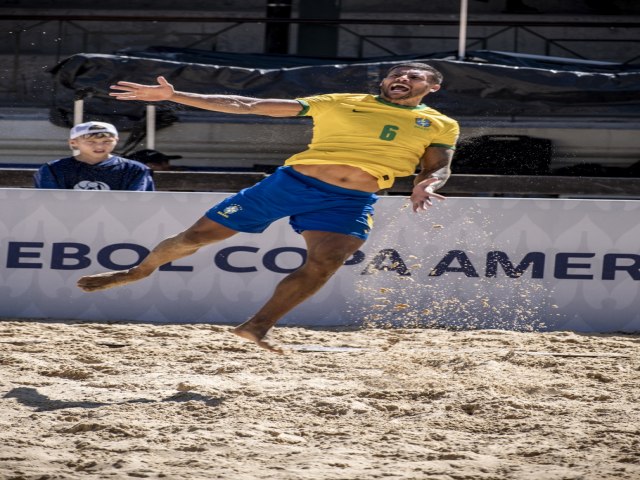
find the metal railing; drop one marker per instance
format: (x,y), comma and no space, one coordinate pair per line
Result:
(458,185)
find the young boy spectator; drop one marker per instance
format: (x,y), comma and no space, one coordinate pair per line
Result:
(94,167)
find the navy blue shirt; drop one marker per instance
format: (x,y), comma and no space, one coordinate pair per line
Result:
(115,173)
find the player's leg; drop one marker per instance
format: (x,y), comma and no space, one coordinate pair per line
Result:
(201,233)
(326,253)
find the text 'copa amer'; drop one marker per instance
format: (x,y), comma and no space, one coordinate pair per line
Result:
(246,259)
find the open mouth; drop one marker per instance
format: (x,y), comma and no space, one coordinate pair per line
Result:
(399,88)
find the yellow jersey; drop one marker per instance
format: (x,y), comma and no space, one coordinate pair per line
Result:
(365,131)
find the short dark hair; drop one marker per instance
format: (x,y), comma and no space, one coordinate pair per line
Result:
(97,135)
(435,74)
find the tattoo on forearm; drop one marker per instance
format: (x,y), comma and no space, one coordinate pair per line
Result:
(442,174)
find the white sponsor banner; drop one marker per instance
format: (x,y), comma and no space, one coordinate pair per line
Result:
(524,264)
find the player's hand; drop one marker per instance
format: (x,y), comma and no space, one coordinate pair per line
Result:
(422,194)
(146,93)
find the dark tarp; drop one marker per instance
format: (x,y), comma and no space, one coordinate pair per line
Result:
(270,61)
(486,84)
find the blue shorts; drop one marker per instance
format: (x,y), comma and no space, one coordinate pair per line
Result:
(309,203)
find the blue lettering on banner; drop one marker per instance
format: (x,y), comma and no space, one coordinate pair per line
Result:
(567,265)
(610,265)
(356,258)
(563,264)
(387,260)
(75,256)
(461,257)
(16,253)
(532,258)
(104,255)
(222,259)
(75,253)
(170,267)
(269,259)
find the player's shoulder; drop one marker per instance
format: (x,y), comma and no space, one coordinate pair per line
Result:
(321,104)
(433,113)
(334,97)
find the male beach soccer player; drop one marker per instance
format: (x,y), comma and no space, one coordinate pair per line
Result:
(360,144)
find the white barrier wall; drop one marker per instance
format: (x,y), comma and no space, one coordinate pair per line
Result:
(524,264)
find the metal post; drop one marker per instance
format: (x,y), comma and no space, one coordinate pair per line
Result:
(78,111)
(151,127)
(276,35)
(462,37)
(318,40)
(78,108)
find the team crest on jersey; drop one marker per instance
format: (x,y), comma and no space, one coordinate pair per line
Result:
(230,210)
(423,122)
(90,185)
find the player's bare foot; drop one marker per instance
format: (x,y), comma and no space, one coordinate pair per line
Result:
(249,333)
(103,281)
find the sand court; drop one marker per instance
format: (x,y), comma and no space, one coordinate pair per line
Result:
(82,400)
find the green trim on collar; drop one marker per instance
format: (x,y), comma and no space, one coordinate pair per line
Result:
(378,98)
(305,108)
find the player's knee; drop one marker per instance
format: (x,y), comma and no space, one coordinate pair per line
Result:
(205,232)
(326,264)
(193,238)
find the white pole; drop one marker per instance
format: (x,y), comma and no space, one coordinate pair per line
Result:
(78,112)
(78,107)
(462,38)
(151,127)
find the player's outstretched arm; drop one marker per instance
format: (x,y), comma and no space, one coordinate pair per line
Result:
(164,91)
